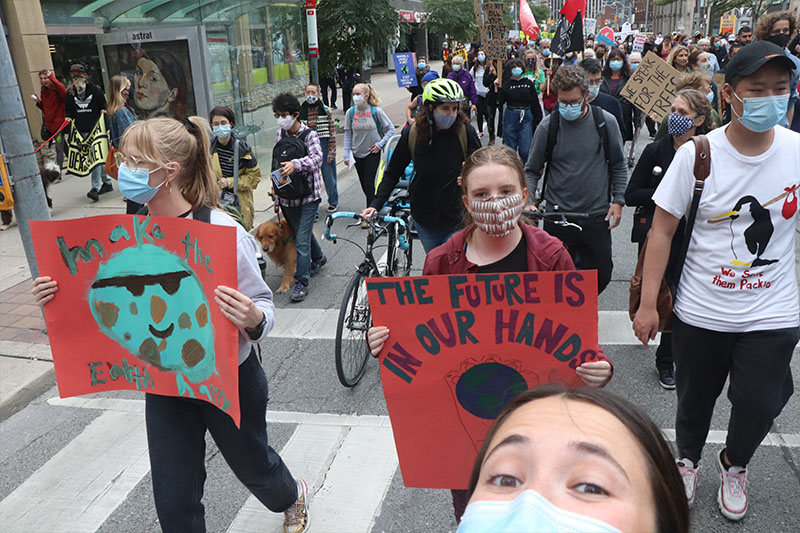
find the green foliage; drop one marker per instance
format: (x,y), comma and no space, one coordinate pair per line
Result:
(456,18)
(349,27)
(541,12)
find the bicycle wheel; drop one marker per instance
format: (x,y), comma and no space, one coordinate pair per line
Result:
(401,265)
(355,319)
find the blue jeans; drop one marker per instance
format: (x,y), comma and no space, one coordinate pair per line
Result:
(301,220)
(518,134)
(176,429)
(329,175)
(431,238)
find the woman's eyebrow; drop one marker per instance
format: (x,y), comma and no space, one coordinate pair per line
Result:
(511,439)
(589,448)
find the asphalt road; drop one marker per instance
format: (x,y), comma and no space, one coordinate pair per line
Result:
(81,464)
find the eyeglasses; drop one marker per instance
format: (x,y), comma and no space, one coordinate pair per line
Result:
(133,162)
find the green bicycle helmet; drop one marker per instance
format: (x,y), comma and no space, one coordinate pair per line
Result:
(442,90)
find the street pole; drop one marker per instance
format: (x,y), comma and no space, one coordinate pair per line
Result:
(23,170)
(313,45)
(647,16)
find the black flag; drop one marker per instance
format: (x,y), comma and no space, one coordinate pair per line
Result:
(569,35)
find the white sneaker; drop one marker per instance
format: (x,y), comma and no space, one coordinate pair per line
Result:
(690,478)
(732,493)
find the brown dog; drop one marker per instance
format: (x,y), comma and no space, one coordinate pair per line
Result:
(277,240)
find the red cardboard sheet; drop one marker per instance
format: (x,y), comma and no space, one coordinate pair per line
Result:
(135,306)
(462,346)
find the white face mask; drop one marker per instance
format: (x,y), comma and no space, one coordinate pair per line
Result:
(286,122)
(530,511)
(358,100)
(497,216)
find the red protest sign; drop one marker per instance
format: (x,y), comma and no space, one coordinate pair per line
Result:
(135,308)
(460,347)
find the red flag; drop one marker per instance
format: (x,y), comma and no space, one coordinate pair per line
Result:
(571,8)
(527,21)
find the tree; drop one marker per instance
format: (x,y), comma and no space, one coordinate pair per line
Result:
(349,28)
(541,12)
(456,18)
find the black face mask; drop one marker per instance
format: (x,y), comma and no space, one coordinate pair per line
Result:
(782,39)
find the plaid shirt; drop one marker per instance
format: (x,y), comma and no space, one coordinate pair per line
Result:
(310,165)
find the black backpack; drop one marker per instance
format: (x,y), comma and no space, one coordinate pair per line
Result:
(552,138)
(288,148)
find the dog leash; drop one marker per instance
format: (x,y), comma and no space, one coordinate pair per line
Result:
(52,136)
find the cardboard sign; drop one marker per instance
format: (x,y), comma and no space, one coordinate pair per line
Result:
(405,69)
(461,347)
(605,36)
(135,306)
(83,155)
(651,88)
(496,30)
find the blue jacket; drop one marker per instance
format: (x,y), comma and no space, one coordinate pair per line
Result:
(120,121)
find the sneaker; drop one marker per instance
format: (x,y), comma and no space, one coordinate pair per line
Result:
(690,477)
(296,517)
(316,266)
(332,208)
(299,292)
(491,141)
(93,195)
(106,187)
(732,493)
(666,378)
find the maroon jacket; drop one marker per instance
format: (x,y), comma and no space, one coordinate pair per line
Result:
(51,102)
(545,253)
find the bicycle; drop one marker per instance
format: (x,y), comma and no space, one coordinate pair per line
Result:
(559,218)
(355,316)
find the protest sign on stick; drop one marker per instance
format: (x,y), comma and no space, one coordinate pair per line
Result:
(404,69)
(651,88)
(462,346)
(135,306)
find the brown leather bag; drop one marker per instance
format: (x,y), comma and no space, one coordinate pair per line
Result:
(667,291)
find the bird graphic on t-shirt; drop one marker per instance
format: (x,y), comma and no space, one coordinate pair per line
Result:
(757,234)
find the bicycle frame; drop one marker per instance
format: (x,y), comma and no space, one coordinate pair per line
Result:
(379,225)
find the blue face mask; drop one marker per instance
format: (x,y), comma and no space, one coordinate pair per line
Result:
(481,58)
(421,65)
(710,96)
(594,90)
(678,125)
(134,184)
(444,121)
(456,67)
(516,72)
(570,112)
(546,52)
(762,113)
(222,130)
(634,66)
(530,511)
(616,65)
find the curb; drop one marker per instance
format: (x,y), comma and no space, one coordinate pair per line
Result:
(29,391)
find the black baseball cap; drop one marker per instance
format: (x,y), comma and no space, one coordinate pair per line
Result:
(754,56)
(77,67)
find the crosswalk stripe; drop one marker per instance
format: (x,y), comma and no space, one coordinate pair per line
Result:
(82,484)
(614,327)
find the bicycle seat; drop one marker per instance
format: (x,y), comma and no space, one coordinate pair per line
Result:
(398,194)
(402,184)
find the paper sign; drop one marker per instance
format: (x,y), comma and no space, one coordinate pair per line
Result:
(638,42)
(461,51)
(496,30)
(652,86)
(589,25)
(727,23)
(605,36)
(135,306)
(404,69)
(461,347)
(83,155)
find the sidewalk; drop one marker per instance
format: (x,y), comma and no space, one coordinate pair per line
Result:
(26,368)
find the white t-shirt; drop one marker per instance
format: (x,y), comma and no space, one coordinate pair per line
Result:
(739,273)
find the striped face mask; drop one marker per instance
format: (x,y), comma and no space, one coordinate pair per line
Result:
(497,216)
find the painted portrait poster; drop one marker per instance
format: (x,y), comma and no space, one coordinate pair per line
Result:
(461,347)
(160,74)
(135,306)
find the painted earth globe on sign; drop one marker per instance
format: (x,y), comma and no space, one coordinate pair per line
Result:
(486,388)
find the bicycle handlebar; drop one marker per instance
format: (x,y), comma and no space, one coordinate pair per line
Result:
(375,217)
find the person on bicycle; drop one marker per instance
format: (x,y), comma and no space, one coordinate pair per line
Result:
(493,177)
(438,142)
(586,172)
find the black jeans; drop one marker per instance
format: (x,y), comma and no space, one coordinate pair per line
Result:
(176,429)
(495,111)
(367,167)
(483,114)
(590,249)
(325,84)
(760,385)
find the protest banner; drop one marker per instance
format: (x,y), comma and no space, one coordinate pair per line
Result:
(460,347)
(404,69)
(651,88)
(84,154)
(135,306)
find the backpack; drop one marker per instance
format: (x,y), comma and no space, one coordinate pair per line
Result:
(552,138)
(373,110)
(288,148)
(412,140)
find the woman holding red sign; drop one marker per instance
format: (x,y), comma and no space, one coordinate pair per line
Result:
(494,241)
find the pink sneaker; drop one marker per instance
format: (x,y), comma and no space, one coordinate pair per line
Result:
(690,478)
(732,493)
